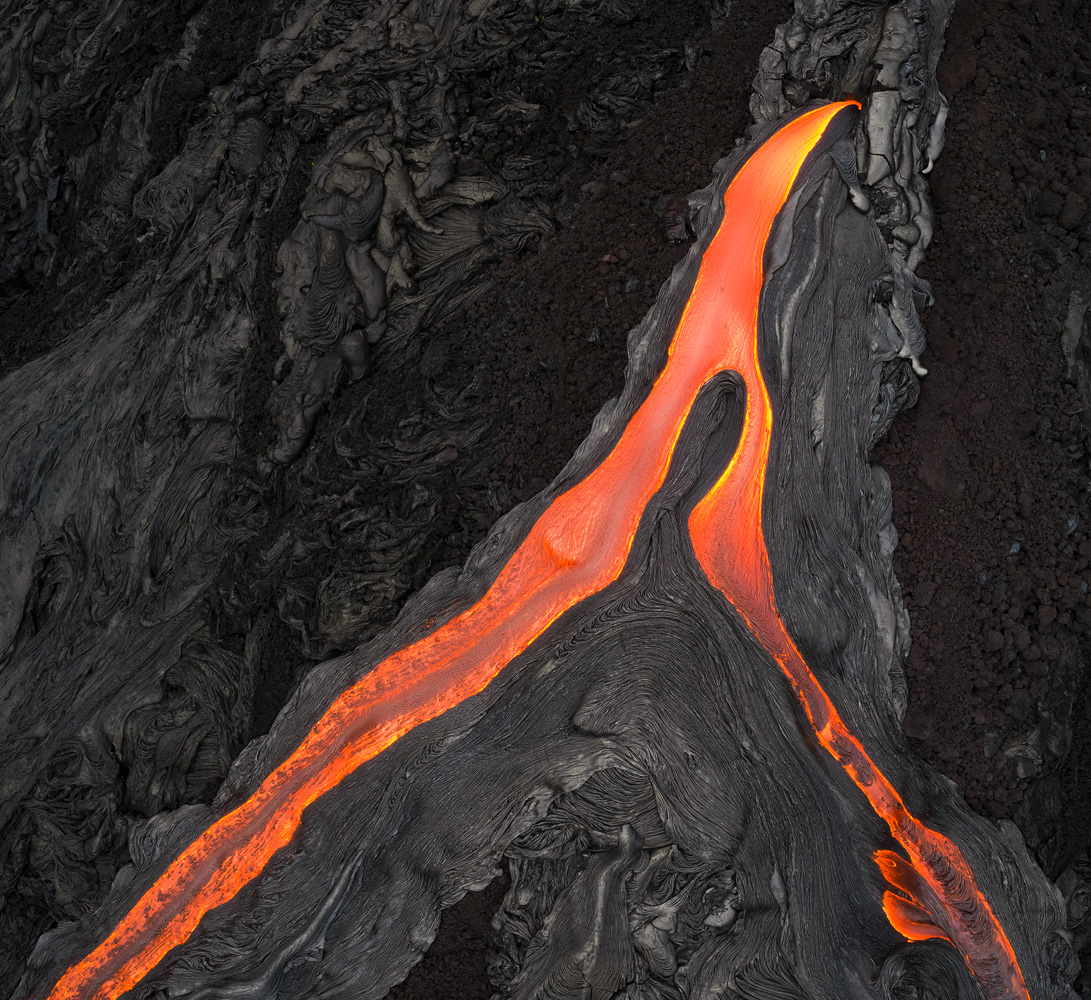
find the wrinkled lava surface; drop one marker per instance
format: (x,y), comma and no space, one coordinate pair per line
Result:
(994,454)
(989,471)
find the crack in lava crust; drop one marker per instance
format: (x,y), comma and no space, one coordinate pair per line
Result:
(577,548)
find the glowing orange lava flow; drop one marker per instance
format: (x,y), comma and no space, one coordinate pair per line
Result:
(941,896)
(577,547)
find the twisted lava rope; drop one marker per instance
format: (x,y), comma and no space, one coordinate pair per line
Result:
(576,548)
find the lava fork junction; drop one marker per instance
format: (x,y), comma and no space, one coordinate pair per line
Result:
(670,680)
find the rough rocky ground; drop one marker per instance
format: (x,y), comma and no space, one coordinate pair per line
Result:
(989,472)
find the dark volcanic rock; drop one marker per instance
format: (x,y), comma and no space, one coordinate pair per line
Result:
(310,579)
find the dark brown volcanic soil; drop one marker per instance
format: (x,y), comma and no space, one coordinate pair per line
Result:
(990,470)
(993,455)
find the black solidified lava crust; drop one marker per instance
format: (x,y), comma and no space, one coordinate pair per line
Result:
(989,472)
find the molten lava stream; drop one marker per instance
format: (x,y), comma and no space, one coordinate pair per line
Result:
(942,898)
(577,547)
